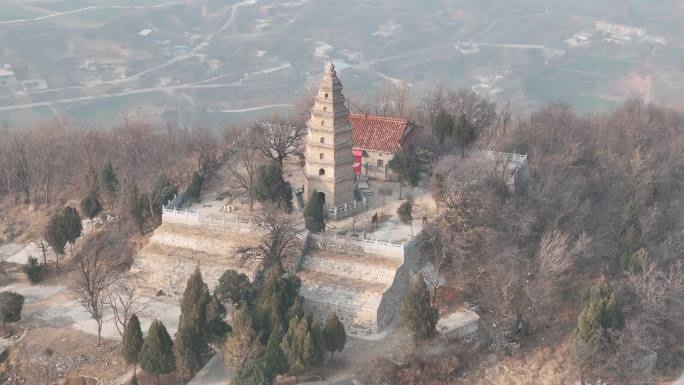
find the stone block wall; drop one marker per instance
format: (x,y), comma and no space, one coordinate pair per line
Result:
(367,268)
(389,308)
(175,250)
(365,290)
(356,308)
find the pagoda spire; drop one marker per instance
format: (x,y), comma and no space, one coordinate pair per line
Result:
(328,157)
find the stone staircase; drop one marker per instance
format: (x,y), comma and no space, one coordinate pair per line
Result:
(176,249)
(352,284)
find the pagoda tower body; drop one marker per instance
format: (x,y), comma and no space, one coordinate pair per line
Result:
(329,160)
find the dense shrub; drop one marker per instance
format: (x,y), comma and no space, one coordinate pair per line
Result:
(33,270)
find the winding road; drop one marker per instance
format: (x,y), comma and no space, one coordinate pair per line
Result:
(89,8)
(206,42)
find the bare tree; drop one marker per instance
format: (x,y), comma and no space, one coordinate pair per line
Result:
(280,139)
(123,298)
(43,247)
(47,361)
(437,251)
(280,235)
(243,166)
(91,279)
(203,143)
(393,100)
(660,299)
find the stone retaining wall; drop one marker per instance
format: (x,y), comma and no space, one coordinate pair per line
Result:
(362,305)
(353,267)
(356,309)
(175,250)
(389,308)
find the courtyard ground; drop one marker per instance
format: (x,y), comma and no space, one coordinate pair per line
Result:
(51,318)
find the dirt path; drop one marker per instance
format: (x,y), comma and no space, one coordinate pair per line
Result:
(213,373)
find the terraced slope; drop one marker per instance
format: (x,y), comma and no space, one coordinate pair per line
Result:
(175,250)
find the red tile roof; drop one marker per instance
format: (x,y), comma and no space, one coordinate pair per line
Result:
(377,133)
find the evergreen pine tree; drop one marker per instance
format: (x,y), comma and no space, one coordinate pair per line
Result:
(195,188)
(271,187)
(252,373)
(273,301)
(318,353)
(188,360)
(194,303)
(334,335)
(298,345)
(55,234)
(314,216)
(90,205)
(136,208)
(72,225)
(33,270)
(297,309)
(162,192)
(464,132)
(407,168)
(11,305)
(193,321)
(599,315)
(309,345)
(291,346)
(156,355)
(417,311)
(132,342)
(106,180)
(274,359)
(216,324)
(443,126)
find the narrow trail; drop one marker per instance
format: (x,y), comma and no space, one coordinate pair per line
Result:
(266,107)
(89,8)
(500,19)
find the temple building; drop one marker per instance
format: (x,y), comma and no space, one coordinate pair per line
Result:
(341,146)
(376,140)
